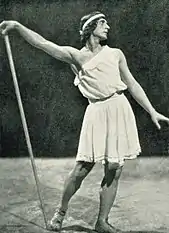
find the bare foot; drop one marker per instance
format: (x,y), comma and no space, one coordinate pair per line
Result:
(105,227)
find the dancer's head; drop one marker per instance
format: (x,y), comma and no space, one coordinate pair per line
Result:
(93,23)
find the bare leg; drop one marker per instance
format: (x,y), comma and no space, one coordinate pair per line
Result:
(107,196)
(72,184)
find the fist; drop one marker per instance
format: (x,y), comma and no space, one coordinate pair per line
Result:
(5,26)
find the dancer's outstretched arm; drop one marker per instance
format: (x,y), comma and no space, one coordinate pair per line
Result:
(64,53)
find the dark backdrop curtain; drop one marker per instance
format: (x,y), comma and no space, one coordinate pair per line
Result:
(53,106)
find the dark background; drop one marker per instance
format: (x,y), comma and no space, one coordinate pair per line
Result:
(53,106)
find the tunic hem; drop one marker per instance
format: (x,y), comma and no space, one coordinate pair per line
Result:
(102,159)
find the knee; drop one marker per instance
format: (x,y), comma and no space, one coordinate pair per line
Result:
(113,171)
(113,166)
(76,176)
(118,173)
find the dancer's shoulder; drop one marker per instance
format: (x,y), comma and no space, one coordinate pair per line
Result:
(115,49)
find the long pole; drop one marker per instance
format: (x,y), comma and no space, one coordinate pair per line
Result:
(24,124)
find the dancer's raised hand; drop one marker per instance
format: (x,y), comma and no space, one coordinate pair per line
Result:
(6,26)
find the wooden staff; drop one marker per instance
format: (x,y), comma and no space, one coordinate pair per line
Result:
(24,124)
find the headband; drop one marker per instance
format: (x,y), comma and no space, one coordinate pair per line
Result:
(90,20)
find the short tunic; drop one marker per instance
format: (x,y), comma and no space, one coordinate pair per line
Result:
(109,131)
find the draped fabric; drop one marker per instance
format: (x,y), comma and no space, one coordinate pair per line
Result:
(109,131)
(100,76)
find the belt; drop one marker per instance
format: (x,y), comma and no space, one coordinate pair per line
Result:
(106,98)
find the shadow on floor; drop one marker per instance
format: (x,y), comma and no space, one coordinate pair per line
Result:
(23,228)
(77,228)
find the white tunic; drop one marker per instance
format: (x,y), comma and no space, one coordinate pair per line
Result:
(109,131)
(100,76)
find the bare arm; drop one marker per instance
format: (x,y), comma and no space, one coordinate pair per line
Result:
(133,86)
(64,53)
(137,91)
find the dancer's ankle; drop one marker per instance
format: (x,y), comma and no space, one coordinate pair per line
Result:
(62,211)
(101,220)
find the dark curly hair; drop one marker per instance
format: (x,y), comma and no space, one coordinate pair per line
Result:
(89,28)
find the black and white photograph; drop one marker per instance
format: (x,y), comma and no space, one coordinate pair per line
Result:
(84,116)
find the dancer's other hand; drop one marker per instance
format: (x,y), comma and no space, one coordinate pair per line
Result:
(156,117)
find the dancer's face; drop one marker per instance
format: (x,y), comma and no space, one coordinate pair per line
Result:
(101,29)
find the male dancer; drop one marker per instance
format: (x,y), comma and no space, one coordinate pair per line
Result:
(109,132)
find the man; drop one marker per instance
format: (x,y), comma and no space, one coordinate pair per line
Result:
(109,133)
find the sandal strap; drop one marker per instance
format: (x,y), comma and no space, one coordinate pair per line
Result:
(62,212)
